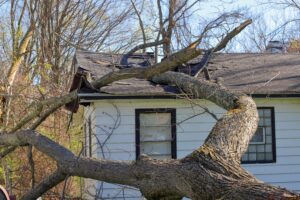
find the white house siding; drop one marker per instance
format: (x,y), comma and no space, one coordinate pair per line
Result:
(115,124)
(89,114)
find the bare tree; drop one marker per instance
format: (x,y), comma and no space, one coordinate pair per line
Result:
(37,42)
(285,27)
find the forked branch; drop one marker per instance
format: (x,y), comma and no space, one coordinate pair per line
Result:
(170,63)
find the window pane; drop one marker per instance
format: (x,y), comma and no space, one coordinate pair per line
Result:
(267,112)
(260,112)
(268,131)
(269,156)
(261,156)
(245,157)
(261,148)
(156,148)
(252,156)
(155,119)
(155,133)
(252,148)
(267,122)
(258,136)
(268,148)
(269,139)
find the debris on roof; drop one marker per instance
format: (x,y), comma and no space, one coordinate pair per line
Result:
(250,73)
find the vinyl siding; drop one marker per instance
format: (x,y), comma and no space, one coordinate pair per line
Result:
(89,113)
(115,124)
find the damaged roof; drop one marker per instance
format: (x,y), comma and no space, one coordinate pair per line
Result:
(251,73)
(95,65)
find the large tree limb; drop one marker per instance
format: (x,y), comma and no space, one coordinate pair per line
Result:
(204,174)
(35,111)
(229,142)
(173,61)
(170,63)
(194,179)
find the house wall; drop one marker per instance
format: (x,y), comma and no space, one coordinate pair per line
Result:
(115,130)
(91,147)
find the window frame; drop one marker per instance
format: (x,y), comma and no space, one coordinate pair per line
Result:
(273,140)
(172,111)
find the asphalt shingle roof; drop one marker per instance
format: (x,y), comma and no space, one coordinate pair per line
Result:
(261,73)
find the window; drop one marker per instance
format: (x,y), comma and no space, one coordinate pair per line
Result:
(261,148)
(156,133)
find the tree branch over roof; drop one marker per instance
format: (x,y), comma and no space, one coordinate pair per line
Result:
(170,63)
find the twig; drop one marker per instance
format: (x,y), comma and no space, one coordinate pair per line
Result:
(7,151)
(32,165)
(265,84)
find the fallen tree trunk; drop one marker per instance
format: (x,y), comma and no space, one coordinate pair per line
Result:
(212,171)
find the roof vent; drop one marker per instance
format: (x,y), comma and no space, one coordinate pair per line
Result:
(275,46)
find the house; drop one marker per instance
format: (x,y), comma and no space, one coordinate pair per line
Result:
(123,119)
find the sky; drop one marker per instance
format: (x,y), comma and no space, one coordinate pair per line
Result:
(272,14)
(259,10)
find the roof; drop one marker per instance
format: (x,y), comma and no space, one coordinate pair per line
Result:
(264,73)
(97,65)
(250,73)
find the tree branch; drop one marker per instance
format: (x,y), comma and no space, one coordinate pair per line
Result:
(172,62)
(121,172)
(7,151)
(242,115)
(177,178)
(140,23)
(231,35)
(212,171)
(138,47)
(19,55)
(35,110)
(48,183)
